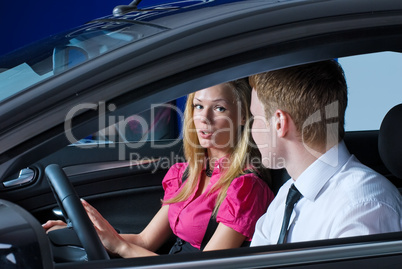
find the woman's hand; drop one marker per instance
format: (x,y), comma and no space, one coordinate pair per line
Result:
(122,245)
(111,240)
(51,225)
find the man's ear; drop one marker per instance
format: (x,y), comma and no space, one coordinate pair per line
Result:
(281,120)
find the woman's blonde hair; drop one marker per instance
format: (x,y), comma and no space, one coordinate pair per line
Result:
(243,152)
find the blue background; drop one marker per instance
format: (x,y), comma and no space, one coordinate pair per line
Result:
(25,21)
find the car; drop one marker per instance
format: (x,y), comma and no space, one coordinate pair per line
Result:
(96,112)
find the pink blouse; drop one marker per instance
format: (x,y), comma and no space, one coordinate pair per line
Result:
(247,199)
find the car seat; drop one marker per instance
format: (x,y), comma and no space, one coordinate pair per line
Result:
(390,141)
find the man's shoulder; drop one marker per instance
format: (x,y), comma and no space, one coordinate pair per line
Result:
(359,173)
(361,183)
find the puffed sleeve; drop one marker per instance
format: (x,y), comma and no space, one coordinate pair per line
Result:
(247,199)
(172,181)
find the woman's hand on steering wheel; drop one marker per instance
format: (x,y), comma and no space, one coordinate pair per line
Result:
(52,225)
(109,237)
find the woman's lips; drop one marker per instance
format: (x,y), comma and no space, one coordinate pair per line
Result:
(205,134)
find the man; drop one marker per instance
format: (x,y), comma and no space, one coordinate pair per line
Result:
(299,125)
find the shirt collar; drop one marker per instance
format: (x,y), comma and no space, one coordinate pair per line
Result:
(313,179)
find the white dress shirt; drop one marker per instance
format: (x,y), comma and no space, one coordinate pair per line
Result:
(341,197)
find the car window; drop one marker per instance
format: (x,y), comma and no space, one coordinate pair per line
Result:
(375,86)
(372,79)
(27,66)
(160,122)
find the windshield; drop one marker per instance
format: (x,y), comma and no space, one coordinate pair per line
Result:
(28,66)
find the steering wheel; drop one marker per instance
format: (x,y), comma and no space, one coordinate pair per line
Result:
(70,205)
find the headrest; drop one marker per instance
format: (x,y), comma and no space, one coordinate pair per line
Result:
(390,141)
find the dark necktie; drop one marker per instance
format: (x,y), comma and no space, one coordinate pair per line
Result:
(293,196)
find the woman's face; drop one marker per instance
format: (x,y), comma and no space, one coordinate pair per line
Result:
(217,118)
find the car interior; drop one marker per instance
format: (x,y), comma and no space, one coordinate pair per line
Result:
(119,171)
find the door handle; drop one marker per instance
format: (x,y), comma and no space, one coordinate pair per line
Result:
(27,175)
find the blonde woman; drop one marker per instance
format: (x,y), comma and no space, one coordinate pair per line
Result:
(217,189)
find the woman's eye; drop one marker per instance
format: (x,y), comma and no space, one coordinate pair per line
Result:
(197,106)
(220,109)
